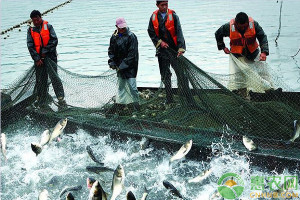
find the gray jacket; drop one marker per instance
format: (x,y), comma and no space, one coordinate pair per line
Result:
(123,53)
(165,35)
(224,31)
(49,50)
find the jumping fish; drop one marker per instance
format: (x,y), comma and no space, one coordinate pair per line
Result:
(172,189)
(145,193)
(92,156)
(182,151)
(117,182)
(98,169)
(58,129)
(43,195)
(215,196)
(3,145)
(97,192)
(89,182)
(38,147)
(201,177)
(68,189)
(249,144)
(296,133)
(45,137)
(144,143)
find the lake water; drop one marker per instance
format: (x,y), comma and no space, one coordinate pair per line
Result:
(84,28)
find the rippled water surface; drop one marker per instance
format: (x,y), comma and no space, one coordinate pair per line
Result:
(84,28)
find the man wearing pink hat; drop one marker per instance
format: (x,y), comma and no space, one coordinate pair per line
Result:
(165,32)
(123,57)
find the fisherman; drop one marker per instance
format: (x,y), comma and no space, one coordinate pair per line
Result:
(165,32)
(244,33)
(41,43)
(124,57)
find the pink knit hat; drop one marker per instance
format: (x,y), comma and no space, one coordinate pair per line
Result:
(121,23)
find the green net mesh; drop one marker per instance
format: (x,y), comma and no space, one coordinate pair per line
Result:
(206,112)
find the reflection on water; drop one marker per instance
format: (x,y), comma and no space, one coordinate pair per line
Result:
(84,29)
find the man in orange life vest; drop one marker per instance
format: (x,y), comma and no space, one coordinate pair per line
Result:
(243,32)
(41,43)
(165,32)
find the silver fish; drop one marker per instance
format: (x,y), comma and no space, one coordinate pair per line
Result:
(201,177)
(117,182)
(92,156)
(182,151)
(249,144)
(3,145)
(58,129)
(172,189)
(43,195)
(296,133)
(89,182)
(97,192)
(145,193)
(52,181)
(144,143)
(215,196)
(98,169)
(68,189)
(38,147)
(45,137)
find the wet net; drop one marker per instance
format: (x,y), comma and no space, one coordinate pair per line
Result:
(204,109)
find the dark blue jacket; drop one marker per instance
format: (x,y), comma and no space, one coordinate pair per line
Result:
(123,53)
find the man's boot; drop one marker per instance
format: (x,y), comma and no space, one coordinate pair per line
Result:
(169,94)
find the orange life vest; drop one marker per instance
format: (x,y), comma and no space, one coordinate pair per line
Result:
(41,39)
(169,24)
(237,42)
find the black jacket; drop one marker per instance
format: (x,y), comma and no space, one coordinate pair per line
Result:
(165,35)
(49,50)
(123,53)
(224,31)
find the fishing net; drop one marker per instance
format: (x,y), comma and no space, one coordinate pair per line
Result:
(205,111)
(252,75)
